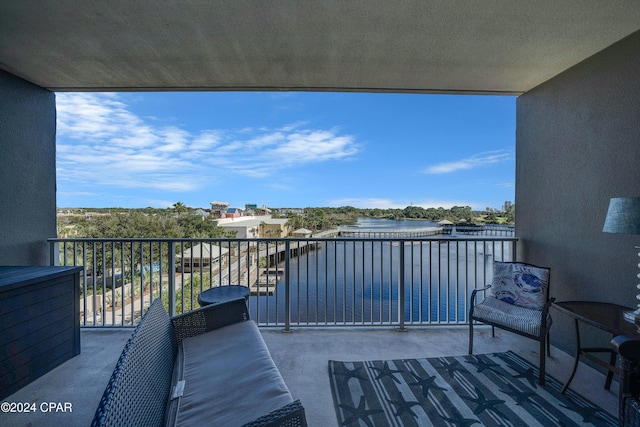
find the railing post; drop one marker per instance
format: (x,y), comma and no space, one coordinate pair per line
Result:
(53,250)
(171,265)
(287,287)
(401,290)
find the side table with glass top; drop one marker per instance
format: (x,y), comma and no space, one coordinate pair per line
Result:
(223,293)
(605,316)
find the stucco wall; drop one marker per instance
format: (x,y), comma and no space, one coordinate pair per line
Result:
(27,171)
(578,145)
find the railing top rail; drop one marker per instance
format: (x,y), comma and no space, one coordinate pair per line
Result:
(289,239)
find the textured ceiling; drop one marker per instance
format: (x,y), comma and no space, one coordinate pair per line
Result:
(499,46)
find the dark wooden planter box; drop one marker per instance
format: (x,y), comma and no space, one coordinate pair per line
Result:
(39,322)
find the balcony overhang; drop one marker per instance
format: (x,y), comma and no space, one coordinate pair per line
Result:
(435,46)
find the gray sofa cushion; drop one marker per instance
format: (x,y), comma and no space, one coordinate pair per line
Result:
(229,379)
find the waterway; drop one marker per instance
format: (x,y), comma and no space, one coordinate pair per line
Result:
(358,282)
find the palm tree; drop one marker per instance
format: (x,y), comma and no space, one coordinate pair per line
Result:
(295,221)
(180,208)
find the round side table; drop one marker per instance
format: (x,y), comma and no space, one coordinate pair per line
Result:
(222,294)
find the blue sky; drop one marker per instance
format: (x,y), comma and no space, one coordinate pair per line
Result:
(284,149)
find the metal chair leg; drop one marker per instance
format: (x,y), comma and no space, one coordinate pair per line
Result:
(548,345)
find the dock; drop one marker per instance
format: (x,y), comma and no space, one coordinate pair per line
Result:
(266,282)
(377,233)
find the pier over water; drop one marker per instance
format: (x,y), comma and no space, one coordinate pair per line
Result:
(448,230)
(379,233)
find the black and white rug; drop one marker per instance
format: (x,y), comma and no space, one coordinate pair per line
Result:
(499,389)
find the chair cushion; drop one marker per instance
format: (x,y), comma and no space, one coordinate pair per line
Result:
(515,317)
(521,284)
(230,379)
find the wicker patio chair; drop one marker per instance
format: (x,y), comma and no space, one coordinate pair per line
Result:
(518,301)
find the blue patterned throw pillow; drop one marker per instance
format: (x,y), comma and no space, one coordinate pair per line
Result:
(520,284)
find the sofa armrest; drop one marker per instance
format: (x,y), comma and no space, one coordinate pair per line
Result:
(628,349)
(291,415)
(209,317)
(140,384)
(627,346)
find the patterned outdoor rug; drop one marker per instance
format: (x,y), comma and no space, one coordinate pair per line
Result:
(499,389)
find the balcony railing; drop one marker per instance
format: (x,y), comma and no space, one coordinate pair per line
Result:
(293,281)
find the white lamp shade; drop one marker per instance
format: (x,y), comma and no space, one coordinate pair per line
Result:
(623,216)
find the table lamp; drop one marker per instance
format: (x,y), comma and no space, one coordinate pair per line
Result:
(623,217)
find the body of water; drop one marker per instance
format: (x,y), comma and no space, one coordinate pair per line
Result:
(358,282)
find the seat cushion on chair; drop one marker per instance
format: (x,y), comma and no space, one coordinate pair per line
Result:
(521,284)
(493,310)
(230,379)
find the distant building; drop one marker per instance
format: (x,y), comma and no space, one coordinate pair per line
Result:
(245,227)
(262,211)
(507,206)
(233,213)
(200,257)
(285,211)
(273,228)
(219,209)
(301,232)
(200,212)
(252,227)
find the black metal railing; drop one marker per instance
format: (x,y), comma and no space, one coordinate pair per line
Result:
(292,281)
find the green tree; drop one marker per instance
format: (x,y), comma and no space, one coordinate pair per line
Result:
(295,221)
(491,218)
(414,212)
(460,213)
(180,208)
(510,215)
(193,226)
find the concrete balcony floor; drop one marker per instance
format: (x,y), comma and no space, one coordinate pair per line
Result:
(302,359)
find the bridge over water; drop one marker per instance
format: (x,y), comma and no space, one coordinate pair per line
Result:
(380,233)
(466,230)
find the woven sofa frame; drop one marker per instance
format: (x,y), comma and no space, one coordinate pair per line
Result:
(628,349)
(138,389)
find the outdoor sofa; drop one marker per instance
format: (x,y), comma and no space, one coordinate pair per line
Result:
(206,367)
(628,349)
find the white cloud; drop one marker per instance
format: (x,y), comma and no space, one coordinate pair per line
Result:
(101,141)
(475,161)
(206,140)
(314,145)
(506,184)
(158,203)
